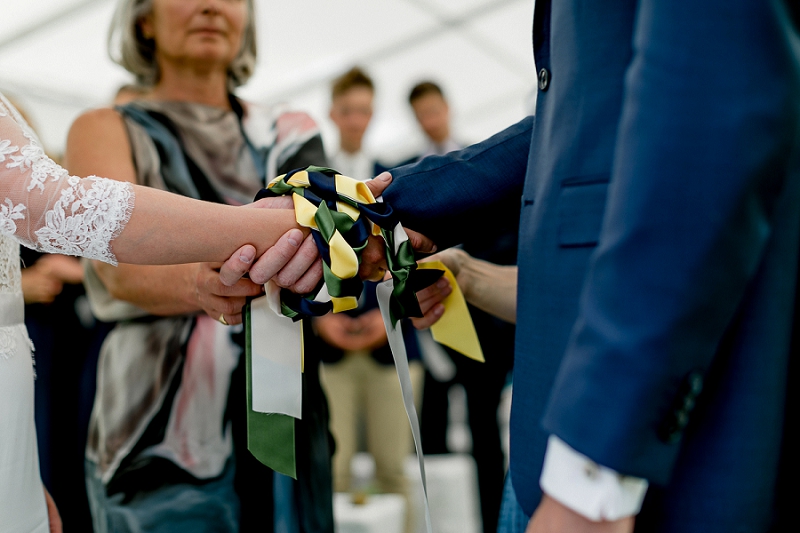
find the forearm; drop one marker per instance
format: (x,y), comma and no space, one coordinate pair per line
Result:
(491,288)
(440,195)
(170,229)
(162,290)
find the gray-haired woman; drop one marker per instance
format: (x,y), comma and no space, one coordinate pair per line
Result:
(168,415)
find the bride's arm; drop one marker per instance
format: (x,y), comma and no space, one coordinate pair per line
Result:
(165,228)
(47,209)
(189,230)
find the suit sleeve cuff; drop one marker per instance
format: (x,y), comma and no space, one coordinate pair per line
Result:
(594,491)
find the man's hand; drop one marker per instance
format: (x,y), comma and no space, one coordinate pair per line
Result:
(373,258)
(552,517)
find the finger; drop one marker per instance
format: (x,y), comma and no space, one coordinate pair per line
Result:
(420,242)
(216,306)
(209,283)
(379,183)
(237,265)
(430,296)
(430,318)
(232,320)
(373,260)
(297,267)
(274,259)
(310,279)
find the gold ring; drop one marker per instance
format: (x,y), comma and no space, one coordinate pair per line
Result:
(222,319)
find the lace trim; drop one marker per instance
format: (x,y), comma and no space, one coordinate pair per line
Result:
(9,264)
(85,221)
(8,345)
(87,216)
(6,342)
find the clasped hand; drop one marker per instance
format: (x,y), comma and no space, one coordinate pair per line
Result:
(292,263)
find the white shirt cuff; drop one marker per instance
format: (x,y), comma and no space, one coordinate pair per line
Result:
(594,491)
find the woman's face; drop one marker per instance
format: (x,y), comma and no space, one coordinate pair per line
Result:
(203,32)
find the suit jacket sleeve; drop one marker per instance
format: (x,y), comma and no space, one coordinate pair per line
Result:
(456,195)
(708,124)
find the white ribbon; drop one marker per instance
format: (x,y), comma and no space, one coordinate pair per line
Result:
(398,346)
(276,343)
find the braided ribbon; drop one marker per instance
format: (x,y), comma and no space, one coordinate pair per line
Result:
(344,213)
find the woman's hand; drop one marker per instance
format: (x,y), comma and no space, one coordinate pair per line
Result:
(52,513)
(64,268)
(220,301)
(39,287)
(293,262)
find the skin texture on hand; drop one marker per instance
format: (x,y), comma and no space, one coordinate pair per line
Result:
(552,517)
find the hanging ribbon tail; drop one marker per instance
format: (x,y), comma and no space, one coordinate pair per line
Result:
(270,436)
(394,333)
(455,328)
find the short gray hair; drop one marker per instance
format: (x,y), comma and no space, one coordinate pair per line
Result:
(128,47)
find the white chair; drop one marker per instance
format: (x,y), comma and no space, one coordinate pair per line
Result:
(452,493)
(380,513)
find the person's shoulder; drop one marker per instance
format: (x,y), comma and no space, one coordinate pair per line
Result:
(104,120)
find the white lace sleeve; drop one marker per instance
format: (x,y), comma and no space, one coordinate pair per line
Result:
(45,208)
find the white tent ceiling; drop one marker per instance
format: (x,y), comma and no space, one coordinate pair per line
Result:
(53,61)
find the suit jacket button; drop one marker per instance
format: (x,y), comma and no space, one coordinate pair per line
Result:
(544,79)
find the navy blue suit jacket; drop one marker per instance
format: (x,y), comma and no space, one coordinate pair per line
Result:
(658,249)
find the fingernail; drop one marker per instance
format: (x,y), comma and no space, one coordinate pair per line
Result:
(294,237)
(442,283)
(385,177)
(247,256)
(438,310)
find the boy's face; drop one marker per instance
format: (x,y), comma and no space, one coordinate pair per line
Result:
(433,116)
(351,111)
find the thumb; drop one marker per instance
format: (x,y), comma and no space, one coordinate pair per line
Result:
(379,183)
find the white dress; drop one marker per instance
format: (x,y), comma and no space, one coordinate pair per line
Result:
(42,207)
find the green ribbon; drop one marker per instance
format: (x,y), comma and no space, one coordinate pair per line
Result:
(341,212)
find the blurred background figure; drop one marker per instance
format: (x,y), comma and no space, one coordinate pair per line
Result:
(352,96)
(446,370)
(433,115)
(358,372)
(167,442)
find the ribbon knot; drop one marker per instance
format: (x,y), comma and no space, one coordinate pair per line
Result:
(345,214)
